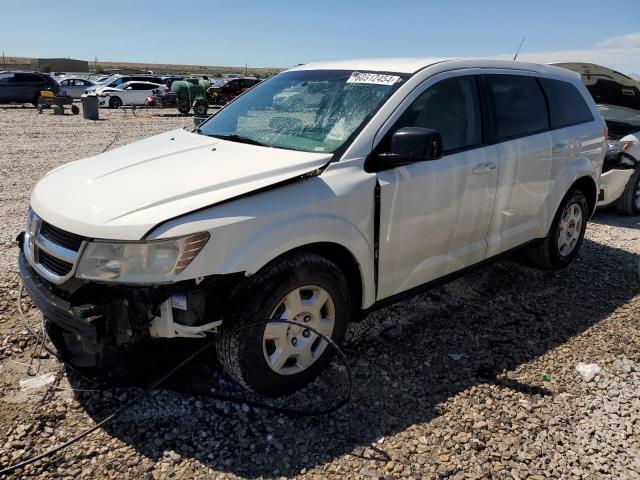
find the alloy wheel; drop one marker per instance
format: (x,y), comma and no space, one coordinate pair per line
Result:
(569,229)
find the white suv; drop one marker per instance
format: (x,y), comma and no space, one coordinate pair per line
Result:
(405,172)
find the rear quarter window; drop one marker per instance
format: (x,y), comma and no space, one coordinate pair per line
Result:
(519,105)
(566,105)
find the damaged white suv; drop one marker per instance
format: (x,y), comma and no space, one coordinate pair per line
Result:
(398,174)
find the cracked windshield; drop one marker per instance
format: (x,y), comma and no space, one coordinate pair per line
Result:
(313,111)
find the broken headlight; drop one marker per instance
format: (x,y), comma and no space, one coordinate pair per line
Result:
(614,147)
(154,261)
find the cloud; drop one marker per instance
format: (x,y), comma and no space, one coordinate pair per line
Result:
(620,53)
(632,40)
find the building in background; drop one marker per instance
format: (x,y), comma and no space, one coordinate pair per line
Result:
(59,65)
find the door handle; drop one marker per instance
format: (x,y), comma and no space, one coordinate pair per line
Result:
(484,168)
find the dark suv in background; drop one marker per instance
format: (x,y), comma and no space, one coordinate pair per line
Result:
(25,87)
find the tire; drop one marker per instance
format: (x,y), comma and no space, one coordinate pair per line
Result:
(200,108)
(246,355)
(548,254)
(75,109)
(184,108)
(115,102)
(629,201)
(34,102)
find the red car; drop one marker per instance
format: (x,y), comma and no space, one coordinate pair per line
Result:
(223,91)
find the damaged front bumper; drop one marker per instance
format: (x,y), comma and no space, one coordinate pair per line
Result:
(99,326)
(612,185)
(617,171)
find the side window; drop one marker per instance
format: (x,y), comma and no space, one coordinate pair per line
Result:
(566,104)
(22,78)
(452,107)
(6,78)
(520,106)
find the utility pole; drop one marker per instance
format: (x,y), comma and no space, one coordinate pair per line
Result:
(246,70)
(4,64)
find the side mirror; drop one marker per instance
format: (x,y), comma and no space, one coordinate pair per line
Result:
(412,144)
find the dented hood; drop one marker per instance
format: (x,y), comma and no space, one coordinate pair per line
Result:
(124,193)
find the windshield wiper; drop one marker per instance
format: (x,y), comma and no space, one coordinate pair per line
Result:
(240,139)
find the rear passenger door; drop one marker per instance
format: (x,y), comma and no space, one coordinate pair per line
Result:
(435,215)
(520,130)
(25,87)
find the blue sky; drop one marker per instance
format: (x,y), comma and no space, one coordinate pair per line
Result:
(284,33)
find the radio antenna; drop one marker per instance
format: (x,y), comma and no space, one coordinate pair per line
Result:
(519,47)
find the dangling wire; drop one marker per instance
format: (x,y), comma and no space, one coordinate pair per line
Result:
(281,410)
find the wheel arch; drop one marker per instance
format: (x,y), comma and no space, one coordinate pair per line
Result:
(343,258)
(587,186)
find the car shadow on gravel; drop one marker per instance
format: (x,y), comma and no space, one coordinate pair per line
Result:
(611,218)
(407,360)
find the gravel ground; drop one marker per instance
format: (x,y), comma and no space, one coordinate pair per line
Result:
(475,379)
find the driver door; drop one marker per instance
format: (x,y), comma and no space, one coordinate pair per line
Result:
(435,215)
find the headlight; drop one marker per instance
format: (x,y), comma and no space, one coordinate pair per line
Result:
(155,261)
(615,147)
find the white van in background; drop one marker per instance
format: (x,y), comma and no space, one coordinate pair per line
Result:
(404,173)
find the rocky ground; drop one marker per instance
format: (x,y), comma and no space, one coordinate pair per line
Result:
(475,379)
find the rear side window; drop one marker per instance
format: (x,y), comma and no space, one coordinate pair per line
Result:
(26,78)
(566,105)
(520,105)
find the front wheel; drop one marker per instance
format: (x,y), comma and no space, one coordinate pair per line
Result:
(561,246)
(115,102)
(277,358)
(629,201)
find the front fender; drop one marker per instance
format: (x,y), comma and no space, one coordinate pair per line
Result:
(280,238)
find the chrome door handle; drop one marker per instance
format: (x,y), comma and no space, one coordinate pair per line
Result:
(484,168)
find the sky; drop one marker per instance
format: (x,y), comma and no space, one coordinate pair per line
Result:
(283,33)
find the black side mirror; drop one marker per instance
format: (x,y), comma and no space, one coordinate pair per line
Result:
(411,144)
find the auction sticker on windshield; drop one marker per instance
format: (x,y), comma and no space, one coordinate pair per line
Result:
(373,78)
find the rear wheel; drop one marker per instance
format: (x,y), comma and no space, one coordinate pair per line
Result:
(629,201)
(115,102)
(562,244)
(278,358)
(184,108)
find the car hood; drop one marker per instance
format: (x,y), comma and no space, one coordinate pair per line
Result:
(125,192)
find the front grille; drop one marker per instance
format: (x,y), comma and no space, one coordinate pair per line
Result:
(51,251)
(53,264)
(67,240)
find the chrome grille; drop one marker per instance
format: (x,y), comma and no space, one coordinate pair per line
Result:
(51,251)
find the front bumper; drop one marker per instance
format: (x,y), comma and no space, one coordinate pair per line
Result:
(75,331)
(101,326)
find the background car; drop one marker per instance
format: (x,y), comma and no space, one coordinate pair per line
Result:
(75,87)
(223,91)
(299,97)
(128,93)
(25,87)
(117,80)
(618,99)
